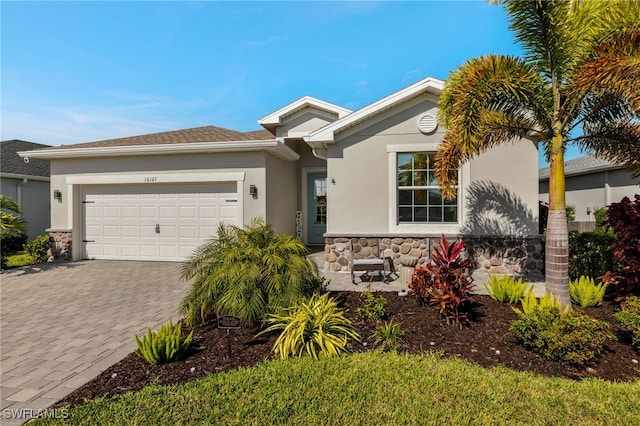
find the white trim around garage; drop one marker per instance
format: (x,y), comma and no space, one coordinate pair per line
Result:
(151,178)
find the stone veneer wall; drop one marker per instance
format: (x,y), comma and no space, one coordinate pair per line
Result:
(495,255)
(60,245)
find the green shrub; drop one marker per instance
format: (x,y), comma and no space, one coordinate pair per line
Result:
(11,242)
(38,248)
(506,289)
(389,334)
(569,336)
(165,345)
(372,307)
(17,260)
(601,214)
(313,326)
(445,281)
(629,316)
(247,273)
(585,292)
(589,254)
(530,304)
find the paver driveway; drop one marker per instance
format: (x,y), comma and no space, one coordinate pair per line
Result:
(63,324)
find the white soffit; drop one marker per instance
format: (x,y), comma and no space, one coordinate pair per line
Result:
(327,133)
(275,118)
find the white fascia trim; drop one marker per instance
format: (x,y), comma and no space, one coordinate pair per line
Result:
(19,176)
(274,147)
(423,228)
(275,118)
(327,133)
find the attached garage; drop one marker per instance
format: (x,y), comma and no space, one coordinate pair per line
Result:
(154,222)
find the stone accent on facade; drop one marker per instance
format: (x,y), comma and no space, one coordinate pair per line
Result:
(59,245)
(494,255)
(507,255)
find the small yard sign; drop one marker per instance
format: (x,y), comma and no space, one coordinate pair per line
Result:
(228,322)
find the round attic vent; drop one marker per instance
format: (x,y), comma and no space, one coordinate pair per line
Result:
(427,123)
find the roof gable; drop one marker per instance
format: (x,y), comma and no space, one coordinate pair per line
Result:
(327,134)
(275,119)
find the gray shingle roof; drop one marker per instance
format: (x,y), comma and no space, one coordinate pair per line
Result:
(11,162)
(195,135)
(580,165)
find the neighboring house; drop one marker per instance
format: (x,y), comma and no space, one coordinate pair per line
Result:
(317,170)
(27,183)
(591,183)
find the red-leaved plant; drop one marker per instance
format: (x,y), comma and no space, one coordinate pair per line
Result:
(445,282)
(624,218)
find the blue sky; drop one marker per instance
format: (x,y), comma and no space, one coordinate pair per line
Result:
(83,71)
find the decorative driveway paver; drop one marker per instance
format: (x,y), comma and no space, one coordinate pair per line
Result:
(62,324)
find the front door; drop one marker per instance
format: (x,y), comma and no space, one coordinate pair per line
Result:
(316,207)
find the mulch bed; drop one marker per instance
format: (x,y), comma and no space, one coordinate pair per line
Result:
(487,341)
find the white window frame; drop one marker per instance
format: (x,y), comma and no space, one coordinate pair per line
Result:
(422,227)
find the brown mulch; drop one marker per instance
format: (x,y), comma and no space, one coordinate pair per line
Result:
(486,341)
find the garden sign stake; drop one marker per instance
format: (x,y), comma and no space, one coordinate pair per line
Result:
(228,322)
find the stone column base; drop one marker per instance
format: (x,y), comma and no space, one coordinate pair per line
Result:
(60,241)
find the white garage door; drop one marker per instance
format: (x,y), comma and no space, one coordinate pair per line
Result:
(154,222)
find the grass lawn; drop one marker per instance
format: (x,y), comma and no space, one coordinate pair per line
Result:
(371,388)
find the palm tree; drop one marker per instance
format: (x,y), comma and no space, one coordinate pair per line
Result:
(247,272)
(577,84)
(10,220)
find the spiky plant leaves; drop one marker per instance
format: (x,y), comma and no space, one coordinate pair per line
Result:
(247,272)
(312,327)
(165,345)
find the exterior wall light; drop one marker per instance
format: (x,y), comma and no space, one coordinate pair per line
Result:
(253,191)
(57,195)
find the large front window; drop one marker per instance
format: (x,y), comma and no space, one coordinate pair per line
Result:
(419,198)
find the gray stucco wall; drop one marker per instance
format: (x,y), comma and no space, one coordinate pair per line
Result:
(281,194)
(364,173)
(35,201)
(306,120)
(67,216)
(588,192)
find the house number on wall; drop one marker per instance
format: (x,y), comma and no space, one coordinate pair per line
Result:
(151,179)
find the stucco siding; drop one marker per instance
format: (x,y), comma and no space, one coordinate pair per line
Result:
(281,194)
(503,193)
(358,163)
(307,120)
(252,164)
(362,164)
(34,200)
(587,192)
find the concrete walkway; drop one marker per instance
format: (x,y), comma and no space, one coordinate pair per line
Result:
(63,324)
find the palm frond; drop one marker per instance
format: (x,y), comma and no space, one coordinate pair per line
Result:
(615,141)
(487,101)
(613,68)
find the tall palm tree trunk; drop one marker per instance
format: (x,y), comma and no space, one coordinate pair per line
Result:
(557,239)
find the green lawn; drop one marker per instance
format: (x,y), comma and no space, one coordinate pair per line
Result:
(371,388)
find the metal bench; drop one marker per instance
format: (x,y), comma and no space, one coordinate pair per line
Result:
(372,264)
